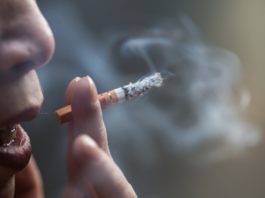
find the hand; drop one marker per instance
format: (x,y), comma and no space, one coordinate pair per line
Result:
(91,169)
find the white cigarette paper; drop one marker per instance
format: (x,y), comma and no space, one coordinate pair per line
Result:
(138,88)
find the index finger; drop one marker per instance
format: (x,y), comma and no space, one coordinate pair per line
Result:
(86,113)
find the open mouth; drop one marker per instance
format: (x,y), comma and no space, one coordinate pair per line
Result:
(15,147)
(8,135)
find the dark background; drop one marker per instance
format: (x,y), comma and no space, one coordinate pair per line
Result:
(88,36)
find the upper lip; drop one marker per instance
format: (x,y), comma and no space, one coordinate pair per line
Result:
(17,71)
(22,99)
(26,115)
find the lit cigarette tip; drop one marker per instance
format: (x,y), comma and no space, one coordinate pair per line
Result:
(118,95)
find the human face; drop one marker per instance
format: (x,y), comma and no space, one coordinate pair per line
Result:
(26,43)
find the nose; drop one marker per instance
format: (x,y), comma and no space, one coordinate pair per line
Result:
(26,40)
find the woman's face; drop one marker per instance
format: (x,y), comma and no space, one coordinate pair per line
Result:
(26,43)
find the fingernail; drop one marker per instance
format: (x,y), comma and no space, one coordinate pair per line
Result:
(92,89)
(76,79)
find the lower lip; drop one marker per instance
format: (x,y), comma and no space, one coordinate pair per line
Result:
(17,155)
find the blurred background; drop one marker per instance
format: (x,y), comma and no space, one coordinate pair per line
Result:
(201,134)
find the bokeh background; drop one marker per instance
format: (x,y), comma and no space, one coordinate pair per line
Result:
(201,135)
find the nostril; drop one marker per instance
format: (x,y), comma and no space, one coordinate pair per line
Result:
(16,71)
(23,66)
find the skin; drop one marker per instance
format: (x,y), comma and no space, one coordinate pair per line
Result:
(26,44)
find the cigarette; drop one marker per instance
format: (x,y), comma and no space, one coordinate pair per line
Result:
(118,95)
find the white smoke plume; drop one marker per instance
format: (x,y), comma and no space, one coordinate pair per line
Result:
(201,107)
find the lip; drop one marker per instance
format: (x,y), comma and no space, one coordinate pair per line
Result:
(21,101)
(26,115)
(17,155)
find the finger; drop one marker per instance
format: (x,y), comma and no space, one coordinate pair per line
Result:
(95,168)
(68,99)
(75,191)
(87,114)
(69,91)
(29,182)
(73,188)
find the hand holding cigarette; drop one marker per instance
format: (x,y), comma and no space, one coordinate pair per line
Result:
(89,162)
(117,95)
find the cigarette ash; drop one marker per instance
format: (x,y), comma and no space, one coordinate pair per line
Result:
(141,87)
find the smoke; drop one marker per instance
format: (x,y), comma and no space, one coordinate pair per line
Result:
(201,108)
(199,112)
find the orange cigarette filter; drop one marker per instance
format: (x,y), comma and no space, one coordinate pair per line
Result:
(117,95)
(106,99)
